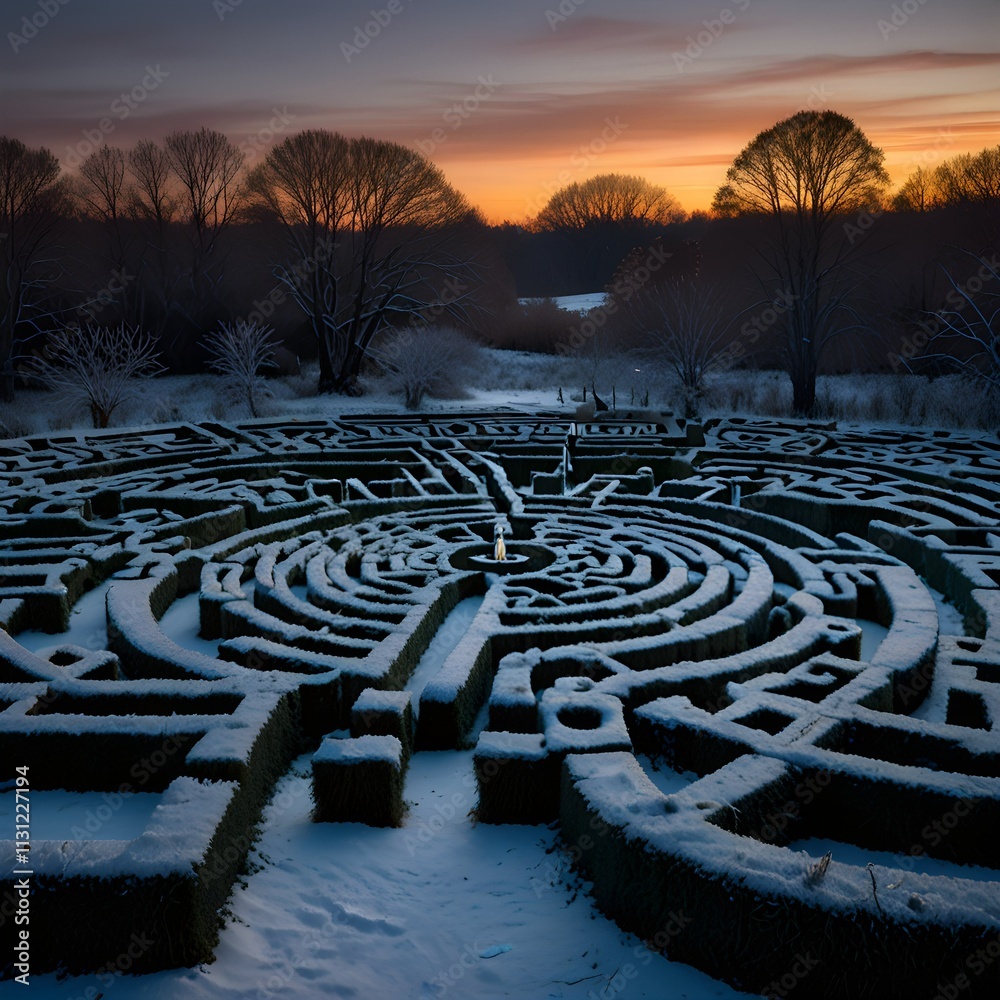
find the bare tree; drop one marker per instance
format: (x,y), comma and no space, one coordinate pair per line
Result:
(153,204)
(32,202)
(966,334)
(919,193)
(103,188)
(240,352)
(417,361)
(806,174)
(207,167)
(371,236)
(97,366)
(970,177)
(151,197)
(683,323)
(609,198)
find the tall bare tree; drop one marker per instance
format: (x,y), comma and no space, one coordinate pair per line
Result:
(153,204)
(807,174)
(609,198)
(370,240)
(33,200)
(103,188)
(207,167)
(151,197)
(683,324)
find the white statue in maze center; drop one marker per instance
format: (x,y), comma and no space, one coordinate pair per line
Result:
(499,546)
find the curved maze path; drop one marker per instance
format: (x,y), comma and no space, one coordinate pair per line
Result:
(753,604)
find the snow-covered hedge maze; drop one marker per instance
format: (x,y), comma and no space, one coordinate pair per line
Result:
(752,669)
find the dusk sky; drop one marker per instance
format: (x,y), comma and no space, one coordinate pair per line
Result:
(606,85)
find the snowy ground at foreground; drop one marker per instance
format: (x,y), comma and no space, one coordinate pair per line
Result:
(437,907)
(522,382)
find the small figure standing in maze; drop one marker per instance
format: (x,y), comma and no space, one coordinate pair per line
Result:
(499,546)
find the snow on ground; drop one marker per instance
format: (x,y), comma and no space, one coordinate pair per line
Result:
(872,635)
(437,907)
(88,625)
(950,619)
(182,622)
(934,708)
(61,815)
(528,382)
(447,637)
(575,303)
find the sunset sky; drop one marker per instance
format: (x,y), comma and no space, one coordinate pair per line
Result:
(549,97)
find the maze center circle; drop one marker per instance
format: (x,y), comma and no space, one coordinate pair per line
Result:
(755,662)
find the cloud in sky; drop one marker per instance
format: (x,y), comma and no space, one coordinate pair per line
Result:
(689,94)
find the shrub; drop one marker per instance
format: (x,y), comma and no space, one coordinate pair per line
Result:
(240,351)
(98,366)
(436,361)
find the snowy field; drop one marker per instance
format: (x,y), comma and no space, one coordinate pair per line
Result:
(439,907)
(575,303)
(530,383)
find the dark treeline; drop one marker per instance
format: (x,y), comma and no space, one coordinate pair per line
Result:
(330,241)
(906,256)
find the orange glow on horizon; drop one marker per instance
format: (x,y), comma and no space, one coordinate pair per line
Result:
(515,190)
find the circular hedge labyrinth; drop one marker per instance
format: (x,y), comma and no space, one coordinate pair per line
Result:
(751,669)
